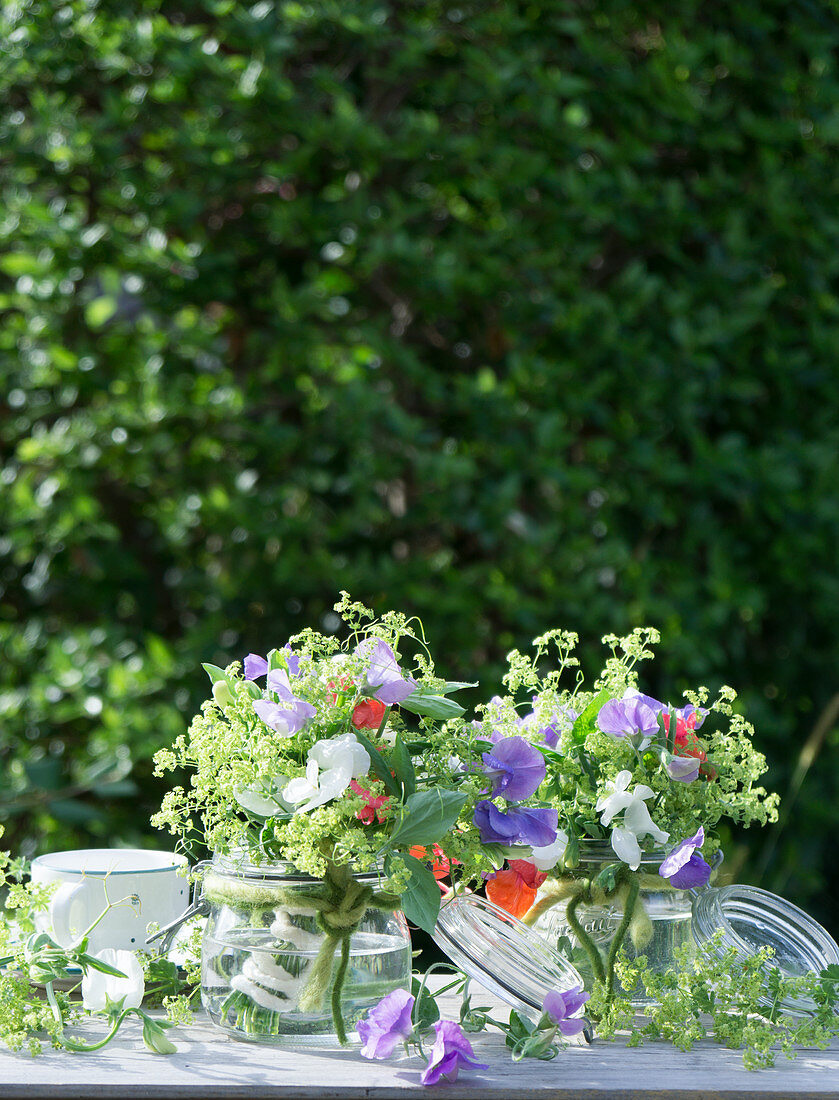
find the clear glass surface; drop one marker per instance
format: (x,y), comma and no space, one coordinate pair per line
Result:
(261,943)
(500,953)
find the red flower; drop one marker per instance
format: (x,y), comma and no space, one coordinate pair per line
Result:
(371,811)
(514,888)
(368,714)
(686,743)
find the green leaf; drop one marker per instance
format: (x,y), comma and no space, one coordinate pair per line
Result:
(456,685)
(155,1038)
(99,311)
(427,815)
(425,1011)
(92,963)
(606,878)
(379,765)
(432,706)
(214,672)
(404,767)
(421,899)
(586,722)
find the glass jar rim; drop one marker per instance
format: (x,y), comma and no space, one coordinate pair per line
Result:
(601,851)
(238,864)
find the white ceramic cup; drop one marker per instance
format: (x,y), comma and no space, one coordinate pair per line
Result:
(143,886)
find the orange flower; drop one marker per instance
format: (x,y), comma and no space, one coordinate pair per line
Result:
(514,888)
(441,865)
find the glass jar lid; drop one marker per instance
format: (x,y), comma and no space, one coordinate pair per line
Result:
(502,954)
(750,919)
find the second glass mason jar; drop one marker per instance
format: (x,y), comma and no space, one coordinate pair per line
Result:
(660,923)
(277,963)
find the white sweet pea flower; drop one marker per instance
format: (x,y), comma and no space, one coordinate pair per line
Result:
(99,988)
(637,822)
(332,764)
(547,857)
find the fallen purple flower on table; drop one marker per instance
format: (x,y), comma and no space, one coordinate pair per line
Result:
(385,679)
(451,1050)
(385,1024)
(561,1007)
(684,868)
(519,825)
(515,768)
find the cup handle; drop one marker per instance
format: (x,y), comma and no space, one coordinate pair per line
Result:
(61,908)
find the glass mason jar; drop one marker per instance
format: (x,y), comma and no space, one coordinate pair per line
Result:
(286,958)
(660,921)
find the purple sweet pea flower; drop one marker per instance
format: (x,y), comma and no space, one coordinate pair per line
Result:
(515,768)
(629,717)
(255,666)
(561,1007)
(519,825)
(385,1024)
(684,769)
(384,677)
(285,719)
(451,1050)
(292,660)
(684,867)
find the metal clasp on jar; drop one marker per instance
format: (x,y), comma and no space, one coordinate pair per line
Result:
(198,907)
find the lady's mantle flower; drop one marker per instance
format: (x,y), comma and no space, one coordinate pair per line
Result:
(451,1050)
(633,716)
(385,1024)
(100,991)
(547,729)
(637,822)
(514,888)
(385,679)
(563,1008)
(519,825)
(515,768)
(288,715)
(331,765)
(371,811)
(684,868)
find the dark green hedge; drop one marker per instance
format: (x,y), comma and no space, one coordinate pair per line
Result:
(511,314)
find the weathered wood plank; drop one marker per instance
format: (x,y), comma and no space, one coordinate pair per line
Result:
(208,1066)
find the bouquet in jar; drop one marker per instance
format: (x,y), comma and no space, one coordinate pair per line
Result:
(325,786)
(638,786)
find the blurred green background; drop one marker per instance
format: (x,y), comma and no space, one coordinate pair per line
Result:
(510,315)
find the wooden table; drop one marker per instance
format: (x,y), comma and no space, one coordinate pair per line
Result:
(209,1066)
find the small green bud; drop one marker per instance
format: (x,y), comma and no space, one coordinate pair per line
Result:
(222,693)
(571,857)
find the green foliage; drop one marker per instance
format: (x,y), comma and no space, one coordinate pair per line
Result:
(745,1003)
(507,313)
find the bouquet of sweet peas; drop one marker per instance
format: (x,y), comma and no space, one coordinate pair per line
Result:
(327,754)
(617,766)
